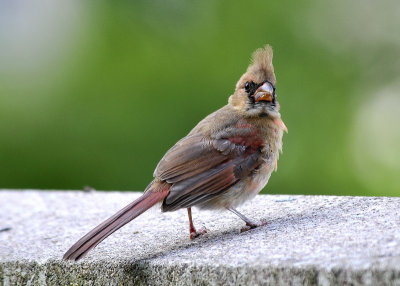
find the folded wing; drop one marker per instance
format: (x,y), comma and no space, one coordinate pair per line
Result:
(201,168)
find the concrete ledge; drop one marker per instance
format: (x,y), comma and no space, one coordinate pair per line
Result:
(310,240)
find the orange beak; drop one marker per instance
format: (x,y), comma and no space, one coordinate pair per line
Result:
(264,92)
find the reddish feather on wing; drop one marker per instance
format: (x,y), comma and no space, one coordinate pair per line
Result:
(201,168)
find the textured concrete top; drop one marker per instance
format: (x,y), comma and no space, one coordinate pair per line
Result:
(310,240)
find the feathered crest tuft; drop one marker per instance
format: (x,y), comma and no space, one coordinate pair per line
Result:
(261,64)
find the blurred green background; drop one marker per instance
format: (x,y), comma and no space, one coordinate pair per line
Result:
(95,94)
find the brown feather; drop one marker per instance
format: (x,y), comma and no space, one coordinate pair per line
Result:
(190,155)
(223,162)
(155,194)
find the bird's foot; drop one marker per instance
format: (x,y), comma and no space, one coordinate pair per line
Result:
(250,225)
(195,233)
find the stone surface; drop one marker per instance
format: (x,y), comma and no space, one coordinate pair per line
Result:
(310,240)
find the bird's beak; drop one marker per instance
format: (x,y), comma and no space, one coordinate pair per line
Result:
(264,92)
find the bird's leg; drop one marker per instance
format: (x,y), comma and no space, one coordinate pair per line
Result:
(249,223)
(193,232)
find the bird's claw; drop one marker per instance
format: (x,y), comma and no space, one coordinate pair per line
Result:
(251,225)
(195,233)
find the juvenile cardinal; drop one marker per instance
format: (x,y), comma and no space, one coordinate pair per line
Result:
(224,161)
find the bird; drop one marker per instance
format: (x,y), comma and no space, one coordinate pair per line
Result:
(225,160)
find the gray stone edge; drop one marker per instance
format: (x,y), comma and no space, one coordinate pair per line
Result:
(54,272)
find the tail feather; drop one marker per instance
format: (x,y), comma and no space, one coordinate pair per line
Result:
(112,224)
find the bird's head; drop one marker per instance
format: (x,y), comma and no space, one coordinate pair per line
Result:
(255,91)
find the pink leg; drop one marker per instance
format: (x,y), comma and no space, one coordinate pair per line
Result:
(193,232)
(249,223)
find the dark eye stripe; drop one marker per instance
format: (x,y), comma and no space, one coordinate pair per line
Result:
(250,87)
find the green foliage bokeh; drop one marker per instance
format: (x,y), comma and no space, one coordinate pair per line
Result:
(133,78)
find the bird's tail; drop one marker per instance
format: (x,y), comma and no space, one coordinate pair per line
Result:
(156,193)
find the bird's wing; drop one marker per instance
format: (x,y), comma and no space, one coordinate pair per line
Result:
(200,168)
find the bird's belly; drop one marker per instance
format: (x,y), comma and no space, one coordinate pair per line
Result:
(259,180)
(242,191)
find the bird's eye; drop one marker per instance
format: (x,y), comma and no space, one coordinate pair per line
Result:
(247,86)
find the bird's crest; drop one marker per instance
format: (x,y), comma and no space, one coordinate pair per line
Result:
(261,65)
